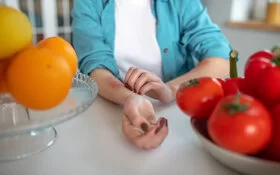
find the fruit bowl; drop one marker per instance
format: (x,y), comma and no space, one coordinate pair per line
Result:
(248,165)
(24,132)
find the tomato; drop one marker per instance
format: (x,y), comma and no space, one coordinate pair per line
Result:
(241,124)
(252,72)
(262,54)
(268,89)
(272,152)
(197,98)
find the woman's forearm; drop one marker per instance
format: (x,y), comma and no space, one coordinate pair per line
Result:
(211,67)
(110,87)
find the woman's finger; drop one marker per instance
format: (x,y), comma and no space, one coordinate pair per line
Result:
(128,74)
(133,77)
(149,86)
(135,135)
(135,118)
(147,140)
(139,122)
(129,129)
(151,119)
(145,78)
(161,134)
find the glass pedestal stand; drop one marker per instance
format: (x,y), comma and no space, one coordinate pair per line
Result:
(24,132)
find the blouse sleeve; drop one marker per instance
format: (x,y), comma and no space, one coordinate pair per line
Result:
(88,38)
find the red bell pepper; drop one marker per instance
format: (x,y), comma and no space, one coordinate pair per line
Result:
(234,84)
(262,54)
(268,88)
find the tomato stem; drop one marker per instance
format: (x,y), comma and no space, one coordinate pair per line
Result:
(233,66)
(235,107)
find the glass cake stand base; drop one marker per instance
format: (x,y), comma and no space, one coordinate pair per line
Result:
(25,132)
(25,145)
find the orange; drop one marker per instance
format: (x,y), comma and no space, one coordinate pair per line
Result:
(3,87)
(38,78)
(30,45)
(3,68)
(63,48)
(15,31)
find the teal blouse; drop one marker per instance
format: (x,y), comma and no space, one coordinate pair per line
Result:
(185,34)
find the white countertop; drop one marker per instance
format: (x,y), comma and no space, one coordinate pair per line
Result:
(93,144)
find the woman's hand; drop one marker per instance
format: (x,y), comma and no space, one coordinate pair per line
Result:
(139,123)
(143,82)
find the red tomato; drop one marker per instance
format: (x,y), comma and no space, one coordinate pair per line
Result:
(262,54)
(241,124)
(253,70)
(197,98)
(272,152)
(268,89)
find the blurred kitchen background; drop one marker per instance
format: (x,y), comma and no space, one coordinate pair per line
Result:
(250,25)
(49,17)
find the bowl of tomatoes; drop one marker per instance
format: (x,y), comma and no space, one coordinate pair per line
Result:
(245,164)
(237,119)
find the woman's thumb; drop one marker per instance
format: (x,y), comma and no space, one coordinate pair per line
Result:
(140,122)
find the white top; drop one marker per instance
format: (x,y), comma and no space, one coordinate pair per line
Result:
(135,38)
(93,144)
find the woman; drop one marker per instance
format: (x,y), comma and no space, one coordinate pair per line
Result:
(146,47)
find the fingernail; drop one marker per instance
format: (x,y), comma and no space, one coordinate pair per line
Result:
(145,127)
(157,130)
(162,122)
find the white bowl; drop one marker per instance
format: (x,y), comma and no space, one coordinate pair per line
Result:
(241,163)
